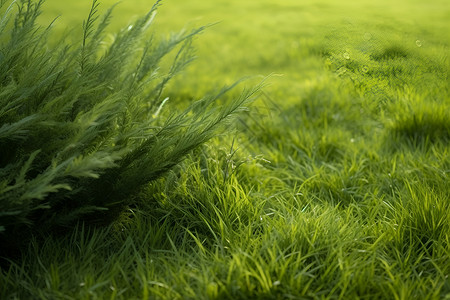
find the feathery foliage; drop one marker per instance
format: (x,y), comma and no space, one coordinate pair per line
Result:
(84,127)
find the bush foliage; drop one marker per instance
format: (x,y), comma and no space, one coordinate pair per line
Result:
(83,127)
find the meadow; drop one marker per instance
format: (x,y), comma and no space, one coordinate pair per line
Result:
(331,183)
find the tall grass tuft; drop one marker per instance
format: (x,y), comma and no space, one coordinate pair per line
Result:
(84,126)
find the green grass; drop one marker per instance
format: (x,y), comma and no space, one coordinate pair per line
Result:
(334,186)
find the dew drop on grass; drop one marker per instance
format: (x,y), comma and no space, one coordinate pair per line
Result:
(418,43)
(365,69)
(367,36)
(341,71)
(346,55)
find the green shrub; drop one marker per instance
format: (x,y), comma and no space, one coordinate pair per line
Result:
(83,127)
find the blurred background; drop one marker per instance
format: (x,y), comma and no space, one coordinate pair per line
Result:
(297,40)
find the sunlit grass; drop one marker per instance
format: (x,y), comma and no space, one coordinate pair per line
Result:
(334,186)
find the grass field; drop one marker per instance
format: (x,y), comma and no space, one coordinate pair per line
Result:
(334,184)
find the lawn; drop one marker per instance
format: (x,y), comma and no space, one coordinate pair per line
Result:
(333,183)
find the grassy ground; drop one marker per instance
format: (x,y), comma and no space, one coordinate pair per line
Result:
(335,184)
